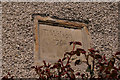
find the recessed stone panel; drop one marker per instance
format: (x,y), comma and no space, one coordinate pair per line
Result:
(52,41)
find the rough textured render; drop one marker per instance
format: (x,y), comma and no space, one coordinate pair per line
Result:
(60,0)
(18,30)
(119,25)
(0,39)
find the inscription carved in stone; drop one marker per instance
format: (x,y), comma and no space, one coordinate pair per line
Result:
(54,41)
(52,37)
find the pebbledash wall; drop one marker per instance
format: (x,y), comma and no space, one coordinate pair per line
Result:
(0,40)
(18,29)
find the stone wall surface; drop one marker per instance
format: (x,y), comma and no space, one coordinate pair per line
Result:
(0,39)
(119,25)
(18,29)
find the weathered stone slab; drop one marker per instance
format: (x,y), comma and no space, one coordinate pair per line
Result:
(54,41)
(52,37)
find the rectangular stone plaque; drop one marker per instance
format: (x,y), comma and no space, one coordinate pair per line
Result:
(52,41)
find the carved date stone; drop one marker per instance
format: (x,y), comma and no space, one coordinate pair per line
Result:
(52,37)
